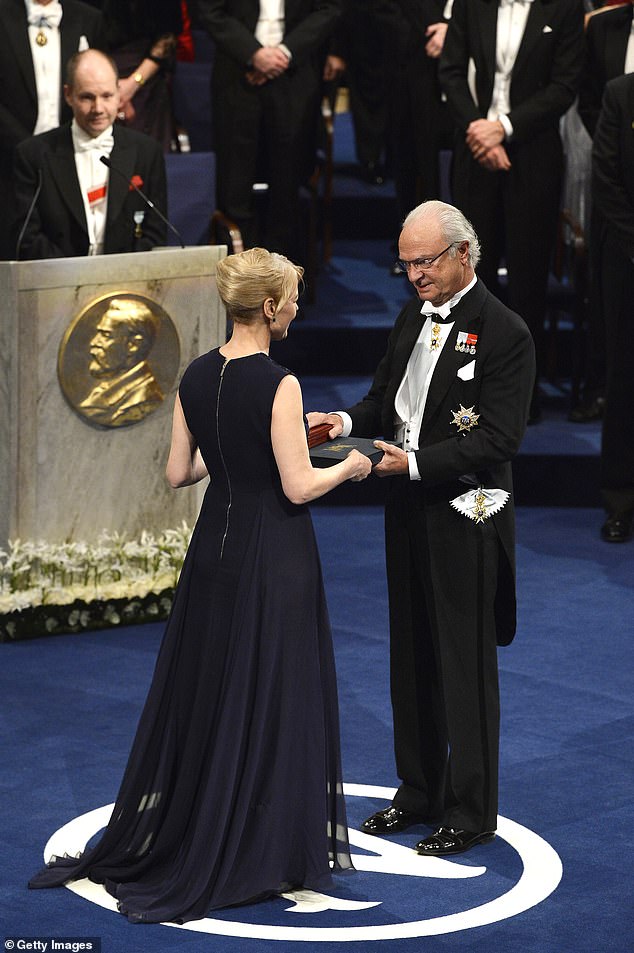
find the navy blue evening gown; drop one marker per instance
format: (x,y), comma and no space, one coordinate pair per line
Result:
(233,788)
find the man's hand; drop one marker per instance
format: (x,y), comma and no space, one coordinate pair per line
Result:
(255,78)
(336,423)
(436,33)
(270,61)
(496,160)
(484,134)
(394,460)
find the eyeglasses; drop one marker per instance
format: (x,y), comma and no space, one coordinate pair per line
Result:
(422,263)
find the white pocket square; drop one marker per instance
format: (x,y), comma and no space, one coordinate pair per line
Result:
(547,29)
(467,372)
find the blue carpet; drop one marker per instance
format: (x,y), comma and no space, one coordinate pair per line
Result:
(70,704)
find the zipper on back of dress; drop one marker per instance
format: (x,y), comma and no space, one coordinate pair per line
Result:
(222,456)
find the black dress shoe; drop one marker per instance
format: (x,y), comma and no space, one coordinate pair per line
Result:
(390,821)
(587,411)
(448,840)
(617,529)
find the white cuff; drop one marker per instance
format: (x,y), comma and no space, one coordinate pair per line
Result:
(285,50)
(347,422)
(413,466)
(507,126)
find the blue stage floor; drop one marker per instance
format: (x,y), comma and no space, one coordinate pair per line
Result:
(70,705)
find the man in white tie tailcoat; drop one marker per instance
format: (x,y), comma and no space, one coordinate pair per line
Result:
(453,390)
(510,70)
(67,202)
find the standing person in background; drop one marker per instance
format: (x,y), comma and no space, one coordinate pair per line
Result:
(266,92)
(510,71)
(613,196)
(366,50)
(419,123)
(609,53)
(142,37)
(453,390)
(36,41)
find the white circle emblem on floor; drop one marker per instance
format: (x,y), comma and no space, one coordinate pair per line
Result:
(540,876)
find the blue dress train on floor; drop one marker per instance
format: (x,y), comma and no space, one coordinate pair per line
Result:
(233,788)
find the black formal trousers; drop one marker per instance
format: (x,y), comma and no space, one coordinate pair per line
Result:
(261,135)
(418,124)
(515,216)
(443,664)
(613,197)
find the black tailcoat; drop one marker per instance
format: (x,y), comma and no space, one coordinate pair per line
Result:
(607,35)
(57,227)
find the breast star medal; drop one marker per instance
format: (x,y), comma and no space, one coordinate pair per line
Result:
(464,419)
(478,505)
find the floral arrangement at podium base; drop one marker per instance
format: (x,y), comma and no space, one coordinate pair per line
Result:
(50,589)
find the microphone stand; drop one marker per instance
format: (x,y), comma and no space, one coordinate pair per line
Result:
(132,185)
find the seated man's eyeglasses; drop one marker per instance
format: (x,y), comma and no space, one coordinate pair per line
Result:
(422,263)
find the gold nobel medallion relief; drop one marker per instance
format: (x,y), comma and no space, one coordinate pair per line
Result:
(118,359)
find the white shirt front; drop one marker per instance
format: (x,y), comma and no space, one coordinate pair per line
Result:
(511,23)
(269,30)
(93,181)
(411,396)
(44,21)
(629,53)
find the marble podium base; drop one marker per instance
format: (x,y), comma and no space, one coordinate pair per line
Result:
(63,478)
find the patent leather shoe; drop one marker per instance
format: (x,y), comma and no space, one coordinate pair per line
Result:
(449,840)
(391,820)
(617,529)
(587,411)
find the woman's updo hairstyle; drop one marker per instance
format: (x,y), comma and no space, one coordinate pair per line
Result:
(246,279)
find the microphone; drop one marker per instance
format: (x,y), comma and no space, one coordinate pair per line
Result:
(36,196)
(132,185)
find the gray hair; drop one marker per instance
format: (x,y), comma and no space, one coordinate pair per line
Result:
(455,226)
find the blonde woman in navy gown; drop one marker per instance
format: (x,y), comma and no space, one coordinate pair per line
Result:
(233,788)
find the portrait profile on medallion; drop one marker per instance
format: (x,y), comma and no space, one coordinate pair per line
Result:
(118,359)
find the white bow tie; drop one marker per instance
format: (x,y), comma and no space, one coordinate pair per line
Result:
(49,15)
(442,310)
(104,145)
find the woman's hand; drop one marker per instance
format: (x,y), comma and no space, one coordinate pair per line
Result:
(361,466)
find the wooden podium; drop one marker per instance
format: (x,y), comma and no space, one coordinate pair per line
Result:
(67,470)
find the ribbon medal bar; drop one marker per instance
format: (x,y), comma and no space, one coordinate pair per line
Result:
(466,343)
